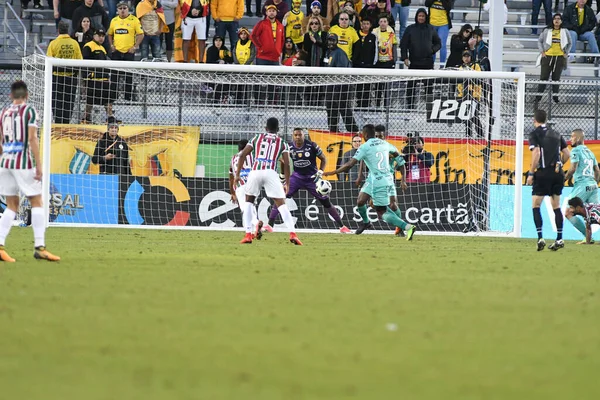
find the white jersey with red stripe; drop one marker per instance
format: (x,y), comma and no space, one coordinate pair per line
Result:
(15,121)
(246,168)
(267,148)
(592,212)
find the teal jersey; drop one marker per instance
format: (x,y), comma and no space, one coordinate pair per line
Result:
(395,164)
(376,155)
(586,160)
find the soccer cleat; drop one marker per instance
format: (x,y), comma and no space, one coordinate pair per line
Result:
(541,244)
(363,227)
(267,228)
(399,232)
(258,234)
(294,239)
(344,229)
(559,244)
(410,232)
(247,239)
(4,255)
(41,253)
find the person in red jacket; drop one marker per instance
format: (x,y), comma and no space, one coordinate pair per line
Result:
(267,37)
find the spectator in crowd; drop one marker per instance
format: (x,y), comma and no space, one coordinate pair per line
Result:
(481,51)
(579,19)
(64,9)
(315,8)
(459,42)
(439,18)
(333,8)
(364,55)
(112,152)
(249,13)
(370,12)
(111,8)
(100,91)
(400,10)
(346,36)
(351,175)
(299,59)
(418,160)
(472,89)
(338,101)
(152,17)
(554,45)
(169,7)
(289,50)
(537,5)
(267,36)
(195,20)
(125,35)
(292,21)
(281,6)
(84,34)
(94,11)
(64,83)
(419,44)
(354,20)
(218,53)
(227,14)
(386,56)
(244,51)
(315,42)
(589,3)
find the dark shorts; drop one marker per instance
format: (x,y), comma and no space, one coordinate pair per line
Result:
(305,182)
(546,182)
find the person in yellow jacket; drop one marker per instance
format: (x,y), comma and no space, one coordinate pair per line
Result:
(244,53)
(227,14)
(64,81)
(472,90)
(292,21)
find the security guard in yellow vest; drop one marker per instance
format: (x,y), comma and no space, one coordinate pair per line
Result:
(64,81)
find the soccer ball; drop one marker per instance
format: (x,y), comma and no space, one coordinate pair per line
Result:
(323,187)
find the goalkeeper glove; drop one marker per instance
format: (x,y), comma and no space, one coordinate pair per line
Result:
(318,175)
(282,178)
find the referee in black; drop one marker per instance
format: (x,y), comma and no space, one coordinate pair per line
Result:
(548,154)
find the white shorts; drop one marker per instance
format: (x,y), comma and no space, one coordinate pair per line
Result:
(190,24)
(267,179)
(13,180)
(240,193)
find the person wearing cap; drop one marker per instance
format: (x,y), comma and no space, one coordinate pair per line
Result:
(281,6)
(338,99)
(112,152)
(315,11)
(345,33)
(152,17)
(267,36)
(125,35)
(100,90)
(94,11)
(292,21)
(471,89)
(195,22)
(64,81)
(244,51)
(227,14)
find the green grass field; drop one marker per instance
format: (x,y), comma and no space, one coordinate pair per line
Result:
(139,314)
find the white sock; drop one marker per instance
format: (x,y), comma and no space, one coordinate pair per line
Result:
(249,210)
(287,217)
(5,224)
(254,217)
(39,226)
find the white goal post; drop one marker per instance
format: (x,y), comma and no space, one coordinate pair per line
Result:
(182,122)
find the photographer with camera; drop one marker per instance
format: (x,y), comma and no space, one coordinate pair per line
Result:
(418,160)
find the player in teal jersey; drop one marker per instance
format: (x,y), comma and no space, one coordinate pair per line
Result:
(380,184)
(589,212)
(586,174)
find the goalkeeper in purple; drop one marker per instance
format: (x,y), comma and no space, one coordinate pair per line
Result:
(304,154)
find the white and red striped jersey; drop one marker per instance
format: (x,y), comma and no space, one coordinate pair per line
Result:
(15,121)
(267,148)
(592,213)
(245,168)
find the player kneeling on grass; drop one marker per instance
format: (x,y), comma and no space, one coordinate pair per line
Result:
(304,154)
(380,183)
(589,212)
(586,174)
(20,169)
(266,149)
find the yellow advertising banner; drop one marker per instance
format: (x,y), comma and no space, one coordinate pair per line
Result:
(456,160)
(154,150)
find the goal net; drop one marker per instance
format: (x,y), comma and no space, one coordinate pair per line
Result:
(461,133)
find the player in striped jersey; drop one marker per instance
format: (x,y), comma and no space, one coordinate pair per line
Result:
(589,212)
(20,169)
(266,149)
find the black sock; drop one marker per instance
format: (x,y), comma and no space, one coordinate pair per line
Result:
(537,218)
(271,222)
(558,218)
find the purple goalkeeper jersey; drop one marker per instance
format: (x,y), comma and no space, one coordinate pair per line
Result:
(305,157)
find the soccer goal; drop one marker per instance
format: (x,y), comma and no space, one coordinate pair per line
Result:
(461,133)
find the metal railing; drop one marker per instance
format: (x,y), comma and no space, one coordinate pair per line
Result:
(8,10)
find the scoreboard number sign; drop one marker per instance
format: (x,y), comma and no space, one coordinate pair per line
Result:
(451,110)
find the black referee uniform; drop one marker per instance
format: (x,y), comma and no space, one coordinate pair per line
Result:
(549,177)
